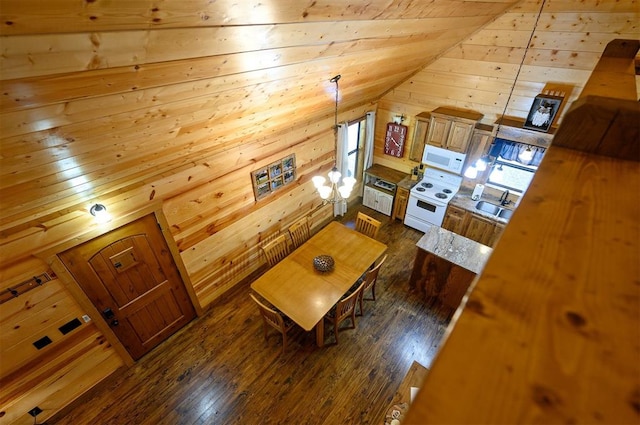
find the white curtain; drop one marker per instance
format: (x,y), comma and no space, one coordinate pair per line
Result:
(340,208)
(370,128)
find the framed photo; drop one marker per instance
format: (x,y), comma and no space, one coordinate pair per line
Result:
(542,112)
(288,163)
(275,170)
(262,189)
(262,176)
(276,183)
(289,176)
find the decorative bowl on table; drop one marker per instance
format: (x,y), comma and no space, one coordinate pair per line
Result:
(323,263)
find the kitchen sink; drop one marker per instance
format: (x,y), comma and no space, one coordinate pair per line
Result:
(488,207)
(494,209)
(505,213)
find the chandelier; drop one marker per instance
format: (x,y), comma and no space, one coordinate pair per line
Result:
(334,192)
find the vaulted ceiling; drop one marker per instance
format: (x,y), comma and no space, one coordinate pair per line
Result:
(101,97)
(268,60)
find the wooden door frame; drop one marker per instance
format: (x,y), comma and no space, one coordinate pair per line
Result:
(50,256)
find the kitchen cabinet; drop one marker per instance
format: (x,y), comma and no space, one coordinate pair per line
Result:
(445,265)
(472,226)
(420,129)
(400,204)
(480,229)
(452,129)
(455,219)
(380,185)
(377,200)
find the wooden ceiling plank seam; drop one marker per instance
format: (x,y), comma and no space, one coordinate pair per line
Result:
(200,157)
(60,18)
(74,160)
(147,97)
(99,82)
(69,52)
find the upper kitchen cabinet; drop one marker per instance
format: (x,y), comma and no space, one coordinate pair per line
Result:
(420,129)
(452,128)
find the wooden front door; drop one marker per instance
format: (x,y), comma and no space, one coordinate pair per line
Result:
(131,278)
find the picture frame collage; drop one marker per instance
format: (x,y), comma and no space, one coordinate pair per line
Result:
(274,176)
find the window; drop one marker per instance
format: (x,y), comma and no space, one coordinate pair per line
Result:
(510,169)
(354,147)
(511,175)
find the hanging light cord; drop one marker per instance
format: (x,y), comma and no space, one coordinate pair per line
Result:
(524,56)
(335,124)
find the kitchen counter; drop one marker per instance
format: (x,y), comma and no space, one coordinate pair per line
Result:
(446,264)
(463,199)
(407,183)
(456,249)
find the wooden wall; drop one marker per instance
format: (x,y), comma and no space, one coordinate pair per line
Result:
(168,107)
(478,74)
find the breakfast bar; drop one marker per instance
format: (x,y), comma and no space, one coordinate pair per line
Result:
(446,264)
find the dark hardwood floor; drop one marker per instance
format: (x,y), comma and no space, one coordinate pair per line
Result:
(220,370)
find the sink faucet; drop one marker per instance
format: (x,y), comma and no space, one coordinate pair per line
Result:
(503,198)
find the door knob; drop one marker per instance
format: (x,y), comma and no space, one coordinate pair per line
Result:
(108,313)
(115,322)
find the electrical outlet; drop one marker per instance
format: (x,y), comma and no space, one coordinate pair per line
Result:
(86,318)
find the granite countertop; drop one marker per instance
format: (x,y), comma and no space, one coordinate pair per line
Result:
(463,199)
(407,183)
(456,249)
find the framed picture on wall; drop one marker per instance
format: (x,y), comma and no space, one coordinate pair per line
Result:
(542,113)
(267,180)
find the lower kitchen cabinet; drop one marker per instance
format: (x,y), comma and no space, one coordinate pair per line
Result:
(400,205)
(380,187)
(472,226)
(377,200)
(455,220)
(480,229)
(497,232)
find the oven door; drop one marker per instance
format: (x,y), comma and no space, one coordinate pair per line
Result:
(423,213)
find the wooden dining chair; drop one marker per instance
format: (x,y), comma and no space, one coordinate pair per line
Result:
(299,232)
(343,310)
(367,225)
(274,319)
(276,250)
(370,279)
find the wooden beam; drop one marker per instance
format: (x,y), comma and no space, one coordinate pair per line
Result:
(605,119)
(614,75)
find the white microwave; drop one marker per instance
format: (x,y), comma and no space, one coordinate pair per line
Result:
(443,159)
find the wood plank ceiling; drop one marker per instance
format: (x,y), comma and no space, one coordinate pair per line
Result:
(99,97)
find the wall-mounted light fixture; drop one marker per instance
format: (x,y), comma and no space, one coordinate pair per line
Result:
(99,211)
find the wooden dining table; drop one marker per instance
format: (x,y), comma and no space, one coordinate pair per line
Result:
(304,294)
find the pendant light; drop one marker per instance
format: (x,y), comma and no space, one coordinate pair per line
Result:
(515,80)
(526,155)
(334,192)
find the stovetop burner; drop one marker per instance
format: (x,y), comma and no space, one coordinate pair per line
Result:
(437,186)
